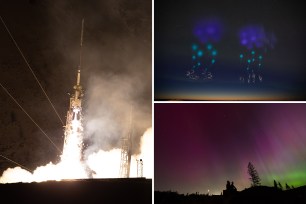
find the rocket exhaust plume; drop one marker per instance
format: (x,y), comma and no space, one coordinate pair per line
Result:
(71,165)
(104,164)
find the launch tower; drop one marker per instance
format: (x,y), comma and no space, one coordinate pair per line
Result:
(126,152)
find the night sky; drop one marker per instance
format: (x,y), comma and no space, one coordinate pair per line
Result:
(198,147)
(283,66)
(116,74)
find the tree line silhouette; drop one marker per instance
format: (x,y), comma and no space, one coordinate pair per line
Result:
(255,194)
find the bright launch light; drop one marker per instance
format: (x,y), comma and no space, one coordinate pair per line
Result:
(104,164)
(69,167)
(71,163)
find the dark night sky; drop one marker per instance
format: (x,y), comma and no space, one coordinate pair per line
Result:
(284,66)
(201,146)
(116,73)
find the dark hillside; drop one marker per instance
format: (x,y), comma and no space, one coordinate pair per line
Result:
(138,190)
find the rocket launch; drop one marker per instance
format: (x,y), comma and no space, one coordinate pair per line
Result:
(75,108)
(73,143)
(97,164)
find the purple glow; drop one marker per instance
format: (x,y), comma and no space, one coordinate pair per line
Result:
(208,30)
(206,144)
(256,37)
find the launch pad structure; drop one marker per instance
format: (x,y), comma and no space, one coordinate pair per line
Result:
(125,163)
(74,116)
(139,168)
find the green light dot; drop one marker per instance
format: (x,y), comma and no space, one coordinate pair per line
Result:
(194,47)
(200,53)
(214,53)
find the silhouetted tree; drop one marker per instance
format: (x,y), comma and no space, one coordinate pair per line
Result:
(253,175)
(275,185)
(287,187)
(280,186)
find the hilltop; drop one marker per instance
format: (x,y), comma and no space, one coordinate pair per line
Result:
(253,195)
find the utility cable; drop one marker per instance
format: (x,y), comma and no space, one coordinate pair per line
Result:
(30,117)
(31,69)
(16,163)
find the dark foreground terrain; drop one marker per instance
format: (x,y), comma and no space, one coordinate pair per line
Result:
(256,195)
(132,190)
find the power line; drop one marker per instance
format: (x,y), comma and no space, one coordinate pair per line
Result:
(30,117)
(31,69)
(16,163)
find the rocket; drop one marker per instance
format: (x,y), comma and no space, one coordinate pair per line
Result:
(74,112)
(76,100)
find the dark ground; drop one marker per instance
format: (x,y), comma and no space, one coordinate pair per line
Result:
(136,190)
(256,195)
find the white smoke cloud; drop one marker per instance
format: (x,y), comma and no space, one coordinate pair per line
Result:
(106,164)
(109,101)
(147,153)
(14,175)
